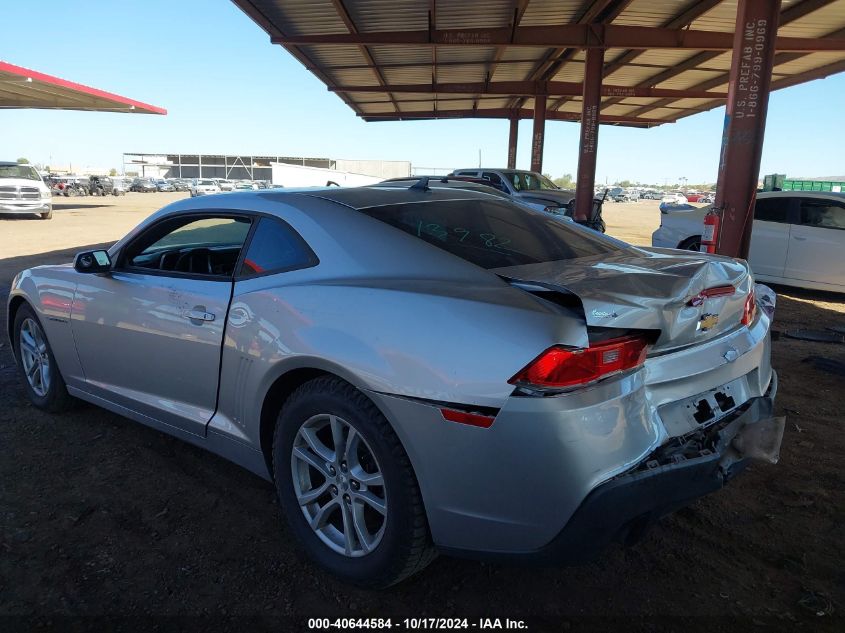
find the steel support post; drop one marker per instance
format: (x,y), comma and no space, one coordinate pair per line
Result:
(512,138)
(588,146)
(745,123)
(539,134)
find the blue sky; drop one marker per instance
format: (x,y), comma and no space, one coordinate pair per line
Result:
(228,90)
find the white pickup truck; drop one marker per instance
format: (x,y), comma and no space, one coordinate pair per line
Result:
(23,191)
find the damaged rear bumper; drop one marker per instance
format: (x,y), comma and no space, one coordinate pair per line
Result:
(623,508)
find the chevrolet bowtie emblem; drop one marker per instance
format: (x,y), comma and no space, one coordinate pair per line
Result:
(708,321)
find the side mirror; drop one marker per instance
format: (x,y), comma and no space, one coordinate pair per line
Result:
(92,262)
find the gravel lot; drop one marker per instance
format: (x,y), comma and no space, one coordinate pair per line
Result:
(100,516)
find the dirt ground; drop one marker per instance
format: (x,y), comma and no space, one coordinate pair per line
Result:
(101,517)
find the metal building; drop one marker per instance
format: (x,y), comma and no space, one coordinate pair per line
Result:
(238,167)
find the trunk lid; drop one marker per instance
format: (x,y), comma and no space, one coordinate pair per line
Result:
(647,289)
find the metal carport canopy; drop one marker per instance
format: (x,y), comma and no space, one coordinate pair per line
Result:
(624,62)
(24,88)
(664,60)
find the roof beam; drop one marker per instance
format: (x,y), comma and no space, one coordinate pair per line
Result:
(780,58)
(518,12)
(353,30)
(694,11)
(595,11)
(273,31)
(787,16)
(501,113)
(786,82)
(599,11)
(530,89)
(443,64)
(568,35)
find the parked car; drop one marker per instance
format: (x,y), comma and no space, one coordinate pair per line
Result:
(245,185)
(22,191)
(528,187)
(472,183)
(181,184)
(668,207)
(203,186)
(120,186)
(797,239)
(675,197)
(100,186)
(225,185)
(614,193)
(416,368)
(623,195)
(707,198)
(467,183)
(164,185)
(143,185)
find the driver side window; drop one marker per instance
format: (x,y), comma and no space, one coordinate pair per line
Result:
(193,245)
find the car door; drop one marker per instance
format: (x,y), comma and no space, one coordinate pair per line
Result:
(262,325)
(149,334)
(817,244)
(770,241)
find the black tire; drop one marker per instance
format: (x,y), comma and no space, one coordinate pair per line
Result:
(691,244)
(405,547)
(57,399)
(47,215)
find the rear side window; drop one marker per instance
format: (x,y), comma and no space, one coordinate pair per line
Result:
(275,247)
(494,179)
(772,210)
(823,213)
(492,234)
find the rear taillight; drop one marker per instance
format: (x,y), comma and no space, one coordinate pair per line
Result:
(560,367)
(750,310)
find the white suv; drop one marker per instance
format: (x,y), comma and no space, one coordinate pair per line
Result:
(23,191)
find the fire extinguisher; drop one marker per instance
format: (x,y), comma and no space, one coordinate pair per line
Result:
(711,231)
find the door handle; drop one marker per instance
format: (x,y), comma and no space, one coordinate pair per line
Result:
(198,315)
(799,238)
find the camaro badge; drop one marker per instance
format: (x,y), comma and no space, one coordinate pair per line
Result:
(708,321)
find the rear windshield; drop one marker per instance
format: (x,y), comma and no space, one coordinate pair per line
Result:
(492,234)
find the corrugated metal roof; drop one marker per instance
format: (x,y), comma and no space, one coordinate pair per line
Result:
(483,42)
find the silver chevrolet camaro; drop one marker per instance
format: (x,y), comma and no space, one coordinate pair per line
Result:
(417,368)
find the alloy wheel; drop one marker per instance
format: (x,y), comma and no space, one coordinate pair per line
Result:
(34,357)
(339,485)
